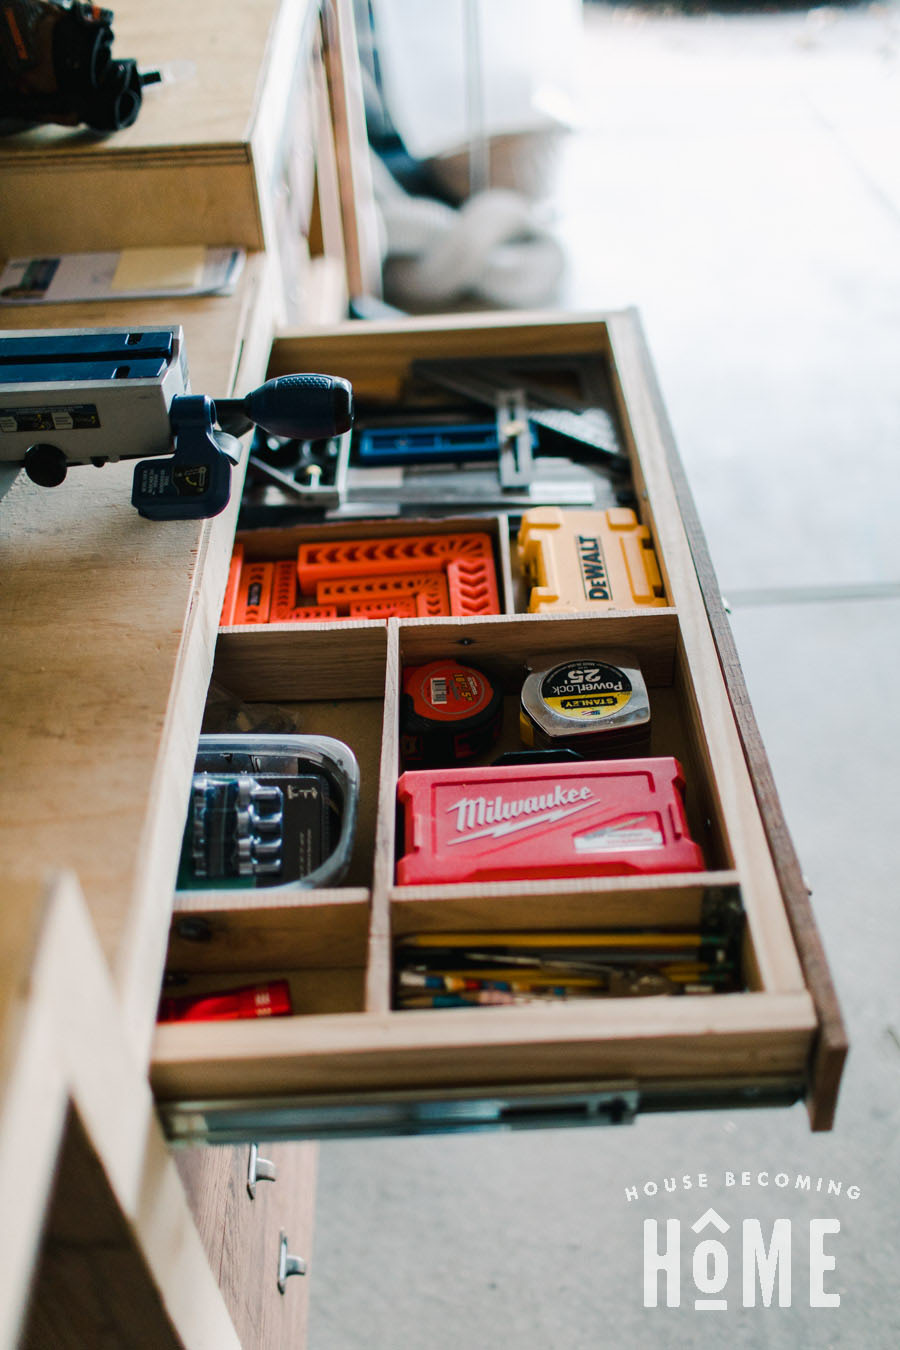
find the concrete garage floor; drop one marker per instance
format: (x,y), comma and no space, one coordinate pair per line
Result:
(738,178)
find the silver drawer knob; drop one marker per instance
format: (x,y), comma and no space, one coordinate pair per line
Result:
(259,1169)
(288,1265)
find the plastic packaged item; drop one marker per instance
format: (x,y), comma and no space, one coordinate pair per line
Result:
(269,811)
(578,561)
(272,999)
(593,818)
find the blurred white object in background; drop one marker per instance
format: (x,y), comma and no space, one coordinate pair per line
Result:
(469,78)
(493,249)
(477,91)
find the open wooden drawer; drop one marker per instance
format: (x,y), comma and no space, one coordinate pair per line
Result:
(346,1062)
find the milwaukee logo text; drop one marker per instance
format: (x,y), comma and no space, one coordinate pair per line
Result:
(476,816)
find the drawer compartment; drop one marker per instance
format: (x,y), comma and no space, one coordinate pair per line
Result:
(349,1060)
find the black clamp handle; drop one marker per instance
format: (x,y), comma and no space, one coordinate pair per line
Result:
(302,407)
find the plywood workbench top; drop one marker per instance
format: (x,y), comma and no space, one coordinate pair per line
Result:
(211,101)
(109,622)
(208,158)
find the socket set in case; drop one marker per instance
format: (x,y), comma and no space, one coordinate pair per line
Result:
(269,811)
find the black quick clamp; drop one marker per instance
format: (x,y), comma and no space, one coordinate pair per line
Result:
(73,396)
(196,482)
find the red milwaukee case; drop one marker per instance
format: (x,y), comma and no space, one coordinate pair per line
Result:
(596,818)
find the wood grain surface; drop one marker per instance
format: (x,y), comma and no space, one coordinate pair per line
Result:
(201,162)
(241,1235)
(109,625)
(74,1102)
(754,1035)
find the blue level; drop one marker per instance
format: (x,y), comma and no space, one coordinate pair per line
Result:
(428,444)
(61,372)
(87,346)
